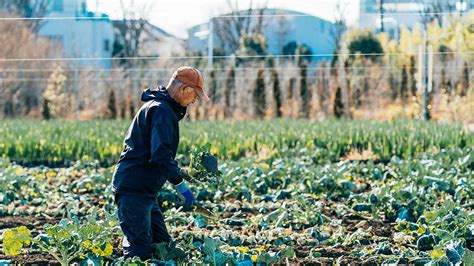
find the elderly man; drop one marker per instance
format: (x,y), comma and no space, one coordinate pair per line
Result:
(148,161)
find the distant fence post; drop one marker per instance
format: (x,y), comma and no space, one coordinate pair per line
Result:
(76,91)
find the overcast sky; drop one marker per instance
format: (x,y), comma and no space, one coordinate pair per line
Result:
(176,16)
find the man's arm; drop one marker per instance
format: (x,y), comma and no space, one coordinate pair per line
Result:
(161,154)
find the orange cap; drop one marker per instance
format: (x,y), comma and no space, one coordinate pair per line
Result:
(193,78)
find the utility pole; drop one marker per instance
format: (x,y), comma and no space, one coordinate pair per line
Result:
(381,16)
(426,73)
(76,90)
(425,66)
(210,45)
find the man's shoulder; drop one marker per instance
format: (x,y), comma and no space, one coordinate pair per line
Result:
(157,105)
(156,109)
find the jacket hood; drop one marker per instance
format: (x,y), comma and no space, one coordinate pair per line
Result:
(161,94)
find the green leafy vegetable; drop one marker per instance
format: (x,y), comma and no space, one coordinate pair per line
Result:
(15,239)
(203,165)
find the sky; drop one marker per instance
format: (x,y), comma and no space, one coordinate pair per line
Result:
(176,16)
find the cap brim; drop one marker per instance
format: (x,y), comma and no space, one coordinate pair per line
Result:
(202,95)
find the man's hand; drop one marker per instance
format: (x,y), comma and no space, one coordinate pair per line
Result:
(188,196)
(185,174)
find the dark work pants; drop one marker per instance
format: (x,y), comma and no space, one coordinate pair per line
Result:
(142,223)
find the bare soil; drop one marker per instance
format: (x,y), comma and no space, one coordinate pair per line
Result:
(329,255)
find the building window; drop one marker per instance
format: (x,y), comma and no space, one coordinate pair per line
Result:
(106,45)
(56,5)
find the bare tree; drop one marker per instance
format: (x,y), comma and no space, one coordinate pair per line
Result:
(20,91)
(461,4)
(434,10)
(130,29)
(260,19)
(28,9)
(229,29)
(282,30)
(340,27)
(382,28)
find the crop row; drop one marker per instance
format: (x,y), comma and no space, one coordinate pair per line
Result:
(57,143)
(413,210)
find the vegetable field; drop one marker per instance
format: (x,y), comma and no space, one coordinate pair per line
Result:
(291,192)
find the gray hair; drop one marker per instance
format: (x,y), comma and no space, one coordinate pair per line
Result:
(174,83)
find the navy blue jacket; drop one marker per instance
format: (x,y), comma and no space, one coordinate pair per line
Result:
(148,158)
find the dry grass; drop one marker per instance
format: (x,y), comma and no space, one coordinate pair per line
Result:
(364,155)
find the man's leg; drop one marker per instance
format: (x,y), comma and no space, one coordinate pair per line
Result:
(134,213)
(160,234)
(158,226)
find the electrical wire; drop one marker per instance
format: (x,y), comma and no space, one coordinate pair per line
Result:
(418,13)
(216,57)
(166,70)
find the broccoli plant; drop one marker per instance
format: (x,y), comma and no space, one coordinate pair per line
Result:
(14,240)
(203,165)
(68,240)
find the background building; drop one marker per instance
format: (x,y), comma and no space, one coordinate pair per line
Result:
(303,29)
(154,41)
(405,13)
(83,38)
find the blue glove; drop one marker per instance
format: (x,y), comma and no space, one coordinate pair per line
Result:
(188,196)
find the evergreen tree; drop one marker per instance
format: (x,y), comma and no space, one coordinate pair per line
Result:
(404,83)
(228,91)
(55,93)
(259,95)
(412,72)
(338,104)
(367,44)
(304,91)
(111,106)
(291,88)
(131,108)
(276,93)
(275,86)
(123,109)
(212,92)
(290,96)
(46,113)
(465,80)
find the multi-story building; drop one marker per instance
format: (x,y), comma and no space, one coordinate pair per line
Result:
(90,37)
(82,34)
(405,13)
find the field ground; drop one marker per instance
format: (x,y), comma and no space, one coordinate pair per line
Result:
(291,191)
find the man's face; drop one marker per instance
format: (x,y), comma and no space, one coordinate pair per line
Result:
(185,95)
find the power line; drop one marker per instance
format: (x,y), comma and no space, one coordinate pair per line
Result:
(164,70)
(418,13)
(216,57)
(54,18)
(155,80)
(360,14)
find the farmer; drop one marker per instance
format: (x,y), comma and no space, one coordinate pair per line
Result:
(148,161)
